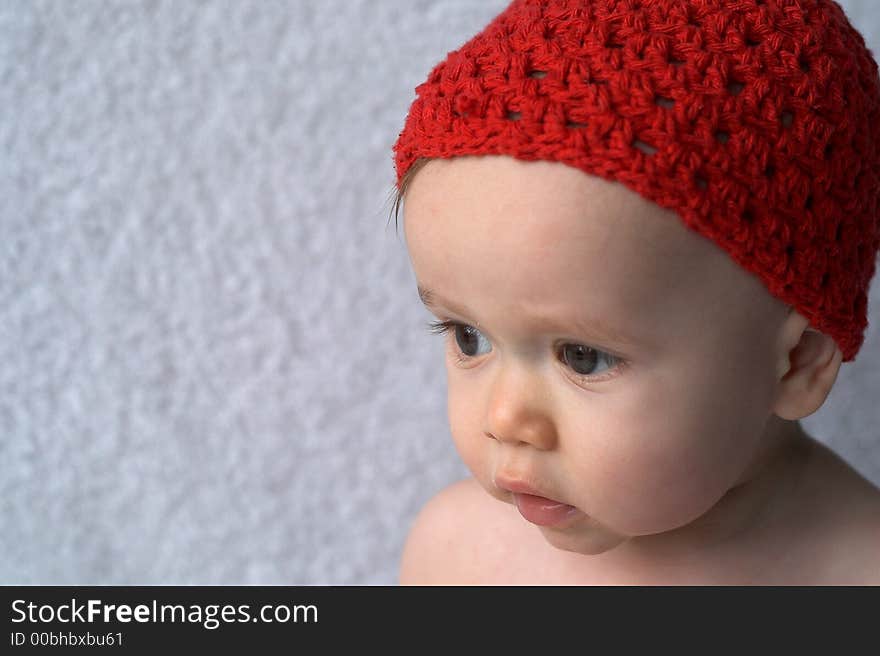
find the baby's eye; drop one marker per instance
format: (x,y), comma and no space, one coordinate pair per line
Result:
(582,359)
(468,338)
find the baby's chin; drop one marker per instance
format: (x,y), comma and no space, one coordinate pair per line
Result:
(589,539)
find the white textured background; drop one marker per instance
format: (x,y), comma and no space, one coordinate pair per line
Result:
(213,367)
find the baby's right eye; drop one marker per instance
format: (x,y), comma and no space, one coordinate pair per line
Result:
(467,338)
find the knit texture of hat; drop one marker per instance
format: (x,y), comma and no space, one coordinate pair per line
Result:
(756,121)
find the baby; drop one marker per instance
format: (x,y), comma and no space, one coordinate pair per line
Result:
(647,229)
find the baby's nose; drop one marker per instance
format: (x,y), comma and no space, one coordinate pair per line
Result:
(520,412)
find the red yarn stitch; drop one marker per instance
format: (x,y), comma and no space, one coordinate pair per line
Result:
(755,121)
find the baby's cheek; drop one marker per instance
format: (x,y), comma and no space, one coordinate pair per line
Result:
(667,490)
(465,424)
(655,465)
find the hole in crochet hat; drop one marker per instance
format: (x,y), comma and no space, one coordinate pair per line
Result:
(722,137)
(748,216)
(614,46)
(701,182)
(664,102)
(677,62)
(646,148)
(575,124)
(514,116)
(735,88)
(804,64)
(787,118)
(829,150)
(824,279)
(537,74)
(839,233)
(808,203)
(770,170)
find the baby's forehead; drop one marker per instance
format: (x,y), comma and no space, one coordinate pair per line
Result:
(545,223)
(552,202)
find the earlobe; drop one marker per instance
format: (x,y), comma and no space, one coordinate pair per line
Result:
(805,382)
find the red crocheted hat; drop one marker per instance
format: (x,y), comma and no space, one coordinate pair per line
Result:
(756,121)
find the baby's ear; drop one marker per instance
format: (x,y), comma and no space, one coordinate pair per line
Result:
(806,370)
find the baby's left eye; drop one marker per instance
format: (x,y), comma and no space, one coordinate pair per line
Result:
(582,359)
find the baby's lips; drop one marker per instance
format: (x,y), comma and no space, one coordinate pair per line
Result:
(543,511)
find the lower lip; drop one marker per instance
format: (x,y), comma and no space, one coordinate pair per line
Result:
(544,512)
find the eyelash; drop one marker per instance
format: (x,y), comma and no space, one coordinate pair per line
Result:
(445,327)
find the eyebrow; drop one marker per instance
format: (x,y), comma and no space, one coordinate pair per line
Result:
(426,296)
(594,328)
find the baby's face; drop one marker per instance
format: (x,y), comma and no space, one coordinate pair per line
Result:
(600,354)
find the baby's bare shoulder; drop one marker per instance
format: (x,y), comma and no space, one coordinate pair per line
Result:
(846,531)
(457,538)
(849,554)
(854,549)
